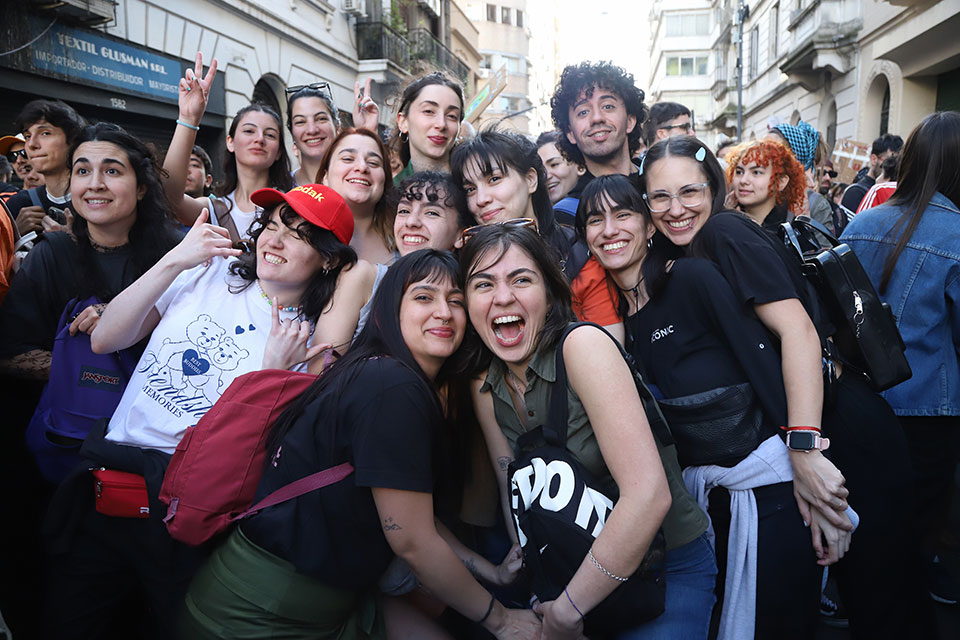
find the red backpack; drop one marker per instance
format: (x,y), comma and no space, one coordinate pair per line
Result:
(213,476)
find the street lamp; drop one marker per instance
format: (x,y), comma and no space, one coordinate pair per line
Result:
(743,12)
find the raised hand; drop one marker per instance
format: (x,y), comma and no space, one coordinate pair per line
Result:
(195,90)
(366,113)
(287,342)
(202,243)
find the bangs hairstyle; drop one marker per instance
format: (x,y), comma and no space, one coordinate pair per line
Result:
(493,150)
(587,77)
(435,187)
(382,213)
(688,147)
(279,173)
(928,165)
(618,193)
(782,162)
(485,249)
(312,92)
(381,335)
(153,233)
(410,93)
(322,285)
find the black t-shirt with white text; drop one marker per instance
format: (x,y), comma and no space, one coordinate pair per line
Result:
(381,417)
(696,336)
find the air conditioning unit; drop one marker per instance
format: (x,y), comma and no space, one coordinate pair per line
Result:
(355,7)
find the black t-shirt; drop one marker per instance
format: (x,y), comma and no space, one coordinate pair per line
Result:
(48,279)
(381,417)
(696,336)
(758,267)
(585,179)
(22,199)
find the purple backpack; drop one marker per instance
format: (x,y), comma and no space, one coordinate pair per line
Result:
(84,387)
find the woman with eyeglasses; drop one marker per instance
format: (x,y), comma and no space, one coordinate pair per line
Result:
(429,114)
(684,188)
(255,158)
(505,182)
(712,364)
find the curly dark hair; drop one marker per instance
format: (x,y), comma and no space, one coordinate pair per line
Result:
(320,289)
(435,186)
(584,78)
(152,233)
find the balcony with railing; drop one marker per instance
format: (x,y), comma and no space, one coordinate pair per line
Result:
(379,41)
(721,82)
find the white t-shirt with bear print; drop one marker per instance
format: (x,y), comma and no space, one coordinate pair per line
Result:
(206,337)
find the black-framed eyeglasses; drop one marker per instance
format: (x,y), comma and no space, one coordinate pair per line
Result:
(13,155)
(692,195)
(519,223)
(683,126)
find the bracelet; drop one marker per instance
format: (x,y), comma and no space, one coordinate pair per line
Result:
(187,125)
(575,608)
(493,600)
(605,572)
(789,429)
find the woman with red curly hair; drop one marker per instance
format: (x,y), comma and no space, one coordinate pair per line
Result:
(767,182)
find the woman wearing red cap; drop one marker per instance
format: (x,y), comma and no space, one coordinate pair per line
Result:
(211,314)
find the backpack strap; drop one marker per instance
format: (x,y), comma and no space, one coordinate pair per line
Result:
(559,413)
(300,487)
(577,252)
(35,197)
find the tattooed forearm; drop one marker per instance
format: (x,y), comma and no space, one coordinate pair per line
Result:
(471,565)
(390,525)
(33,365)
(504,462)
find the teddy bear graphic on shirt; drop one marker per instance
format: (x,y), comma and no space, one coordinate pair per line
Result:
(193,368)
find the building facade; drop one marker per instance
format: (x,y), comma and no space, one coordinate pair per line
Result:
(121,61)
(505,42)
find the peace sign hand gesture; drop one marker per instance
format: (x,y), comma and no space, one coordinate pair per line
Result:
(194,90)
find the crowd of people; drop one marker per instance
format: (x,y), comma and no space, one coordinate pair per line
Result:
(458,300)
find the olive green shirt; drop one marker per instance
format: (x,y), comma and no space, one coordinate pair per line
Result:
(684,522)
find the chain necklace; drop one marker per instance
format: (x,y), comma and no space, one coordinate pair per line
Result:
(291,308)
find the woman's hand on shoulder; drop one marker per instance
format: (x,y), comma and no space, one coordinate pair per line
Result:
(202,243)
(287,342)
(195,90)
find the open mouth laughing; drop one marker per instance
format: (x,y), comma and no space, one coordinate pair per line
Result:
(508,329)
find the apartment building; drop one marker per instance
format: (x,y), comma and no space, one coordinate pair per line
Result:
(505,41)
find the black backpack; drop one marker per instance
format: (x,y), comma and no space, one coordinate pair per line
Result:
(866,338)
(559,509)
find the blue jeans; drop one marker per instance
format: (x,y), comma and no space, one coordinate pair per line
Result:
(691,576)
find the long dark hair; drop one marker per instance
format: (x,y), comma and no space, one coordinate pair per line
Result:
(322,285)
(927,166)
(381,336)
(689,147)
(486,248)
(152,234)
(382,216)
(617,192)
(312,92)
(279,175)
(492,150)
(410,93)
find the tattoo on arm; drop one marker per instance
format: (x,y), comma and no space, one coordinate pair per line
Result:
(34,365)
(472,567)
(504,462)
(390,525)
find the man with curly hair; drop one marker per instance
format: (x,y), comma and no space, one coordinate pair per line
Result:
(599,110)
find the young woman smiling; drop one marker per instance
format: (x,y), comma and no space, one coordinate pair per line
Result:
(256,156)
(684,188)
(310,566)
(518,301)
(695,342)
(504,179)
(313,123)
(430,214)
(356,167)
(429,114)
(766,182)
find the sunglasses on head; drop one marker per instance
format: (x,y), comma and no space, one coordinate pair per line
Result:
(323,87)
(518,223)
(13,155)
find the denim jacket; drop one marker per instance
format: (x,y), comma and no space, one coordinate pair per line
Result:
(924,293)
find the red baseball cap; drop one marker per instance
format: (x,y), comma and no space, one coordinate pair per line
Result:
(315,203)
